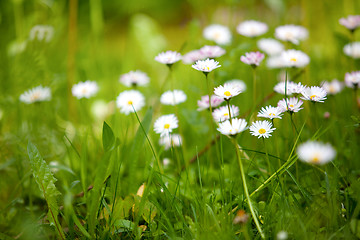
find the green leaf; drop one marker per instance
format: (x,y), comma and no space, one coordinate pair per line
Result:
(46,182)
(123,225)
(108,137)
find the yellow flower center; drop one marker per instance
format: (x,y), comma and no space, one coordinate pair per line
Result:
(208,68)
(227,93)
(130,102)
(271,114)
(84,90)
(167,126)
(226,114)
(312,97)
(262,131)
(291,105)
(293,59)
(315,159)
(35,96)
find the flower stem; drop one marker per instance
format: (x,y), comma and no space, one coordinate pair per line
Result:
(267,156)
(254,88)
(228,104)
(209,93)
(147,138)
(246,191)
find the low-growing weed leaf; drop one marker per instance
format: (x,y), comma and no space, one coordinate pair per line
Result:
(46,182)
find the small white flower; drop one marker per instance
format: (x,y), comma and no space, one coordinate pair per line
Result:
(204,102)
(352,79)
(37,94)
(292,105)
(282,235)
(236,126)
(165,124)
(270,46)
(352,50)
(333,87)
(316,152)
(173,97)
(275,62)
(314,94)
(290,86)
(206,66)
(291,33)
(212,51)
(134,78)
(85,89)
(239,83)
(261,129)
(295,58)
(166,162)
(193,56)
(218,33)
(252,28)
(168,57)
(170,140)
(253,58)
(221,114)
(227,91)
(270,112)
(42,33)
(129,100)
(352,22)
(101,109)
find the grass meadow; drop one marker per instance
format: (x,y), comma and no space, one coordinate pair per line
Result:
(84,165)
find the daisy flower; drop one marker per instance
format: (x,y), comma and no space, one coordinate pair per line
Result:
(173,97)
(165,124)
(212,51)
(227,91)
(134,78)
(275,62)
(252,58)
(352,79)
(221,114)
(316,152)
(85,89)
(295,58)
(233,128)
(129,100)
(261,129)
(218,33)
(204,102)
(252,28)
(270,112)
(352,50)
(168,57)
(270,46)
(333,87)
(352,22)
(206,66)
(290,86)
(291,105)
(170,140)
(37,94)
(314,94)
(239,83)
(41,33)
(291,33)
(193,56)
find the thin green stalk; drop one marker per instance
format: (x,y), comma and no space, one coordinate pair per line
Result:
(254,87)
(209,92)
(147,138)
(246,191)
(228,104)
(267,156)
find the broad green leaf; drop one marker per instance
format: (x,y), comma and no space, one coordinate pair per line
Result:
(46,182)
(108,137)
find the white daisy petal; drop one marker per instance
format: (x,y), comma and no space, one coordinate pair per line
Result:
(173,97)
(236,126)
(37,94)
(85,89)
(165,124)
(129,100)
(316,152)
(261,129)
